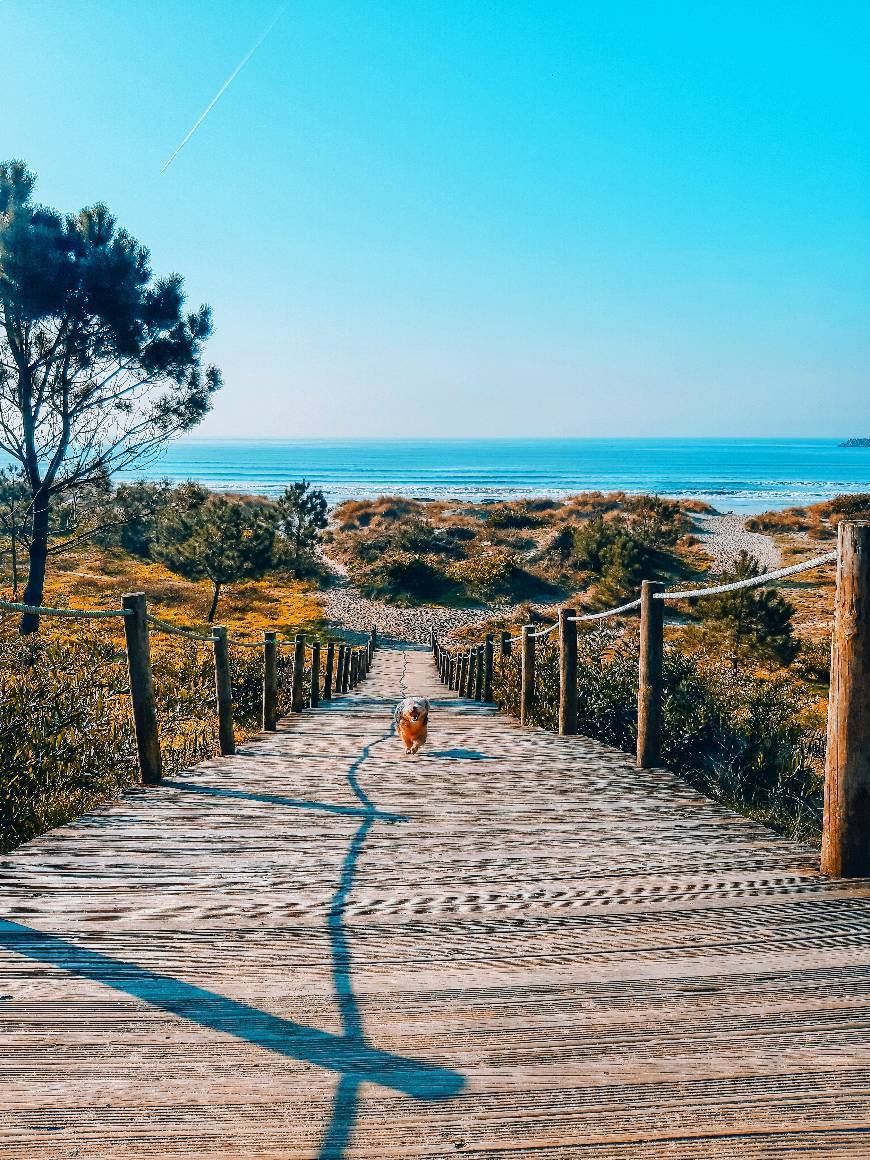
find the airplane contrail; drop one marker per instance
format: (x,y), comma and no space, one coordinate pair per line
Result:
(226,84)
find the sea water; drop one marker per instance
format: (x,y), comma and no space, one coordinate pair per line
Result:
(741,475)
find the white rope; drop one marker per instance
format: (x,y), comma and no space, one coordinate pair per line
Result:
(172,630)
(75,613)
(676,594)
(608,612)
(544,631)
(751,582)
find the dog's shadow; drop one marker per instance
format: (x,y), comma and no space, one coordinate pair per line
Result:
(459,754)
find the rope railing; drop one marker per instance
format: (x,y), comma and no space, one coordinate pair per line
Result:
(346,665)
(74,613)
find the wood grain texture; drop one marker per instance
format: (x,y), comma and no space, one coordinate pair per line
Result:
(513,945)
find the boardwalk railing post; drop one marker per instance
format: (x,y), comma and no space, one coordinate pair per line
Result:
(567,672)
(453,672)
(527,676)
(373,641)
(270,681)
(329,671)
(224,690)
(472,673)
(142,687)
(505,643)
(478,673)
(846,828)
(354,668)
(488,657)
(462,684)
(315,674)
(339,668)
(649,689)
(297,696)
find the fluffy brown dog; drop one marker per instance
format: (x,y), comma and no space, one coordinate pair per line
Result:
(412,717)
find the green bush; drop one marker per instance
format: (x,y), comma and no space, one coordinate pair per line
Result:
(400,577)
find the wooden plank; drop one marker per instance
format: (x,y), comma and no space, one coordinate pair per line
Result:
(513,945)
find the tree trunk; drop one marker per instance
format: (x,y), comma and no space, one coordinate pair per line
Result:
(14,546)
(214,601)
(38,557)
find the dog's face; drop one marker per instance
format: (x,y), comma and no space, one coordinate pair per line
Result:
(414,712)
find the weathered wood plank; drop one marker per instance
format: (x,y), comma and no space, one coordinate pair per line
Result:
(514,945)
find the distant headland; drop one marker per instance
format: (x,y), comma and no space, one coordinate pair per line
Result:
(855,443)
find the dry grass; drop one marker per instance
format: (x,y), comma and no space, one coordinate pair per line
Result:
(93,578)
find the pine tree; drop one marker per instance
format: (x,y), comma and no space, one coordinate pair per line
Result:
(99,362)
(301,518)
(752,623)
(202,536)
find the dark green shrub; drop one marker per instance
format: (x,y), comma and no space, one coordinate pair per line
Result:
(400,577)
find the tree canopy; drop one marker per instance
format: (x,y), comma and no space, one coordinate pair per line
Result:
(100,364)
(205,536)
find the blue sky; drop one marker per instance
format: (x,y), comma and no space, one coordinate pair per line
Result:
(482,218)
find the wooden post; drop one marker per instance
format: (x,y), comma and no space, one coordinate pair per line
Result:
(339,668)
(345,674)
(315,674)
(567,672)
(297,696)
(453,673)
(846,827)
(463,672)
(472,672)
(354,668)
(224,688)
(505,643)
(527,676)
(649,688)
(142,687)
(478,673)
(488,658)
(270,681)
(330,669)
(373,641)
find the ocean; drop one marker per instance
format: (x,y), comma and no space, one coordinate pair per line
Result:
(740,475)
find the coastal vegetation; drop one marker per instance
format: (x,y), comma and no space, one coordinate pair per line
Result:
(599,545)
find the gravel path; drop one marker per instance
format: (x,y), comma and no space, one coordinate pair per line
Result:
(725,536)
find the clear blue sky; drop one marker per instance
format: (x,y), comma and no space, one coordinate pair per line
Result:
(444,218)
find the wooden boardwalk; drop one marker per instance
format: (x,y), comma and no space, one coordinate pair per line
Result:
(513,945)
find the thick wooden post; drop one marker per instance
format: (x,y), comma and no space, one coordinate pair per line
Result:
(345,676)
(453,674)
(488,658)
(354,668)
(329,671)
(373,642)
(649,688)
(270,681)
(567,672)
(463,673)
(339,668)
(478,673)
(472,672)
(297,696)
(315,674)
(527,675)
(142,687)
(505,643)
(846,828)
(224,689)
